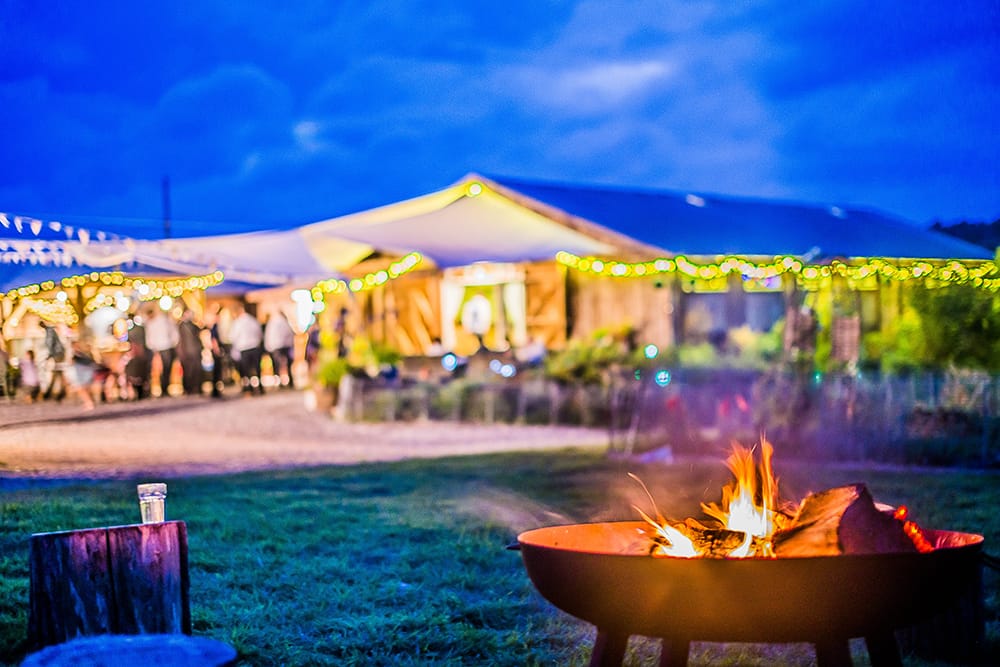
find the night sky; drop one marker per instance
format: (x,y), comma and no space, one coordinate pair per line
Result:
(271,115)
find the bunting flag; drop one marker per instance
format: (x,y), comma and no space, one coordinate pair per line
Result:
(27,227)
(24,242)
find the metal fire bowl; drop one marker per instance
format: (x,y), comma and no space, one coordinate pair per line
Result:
(600,573)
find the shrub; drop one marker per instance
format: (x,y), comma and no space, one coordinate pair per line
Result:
(960,326)
(330,370)
(588,361)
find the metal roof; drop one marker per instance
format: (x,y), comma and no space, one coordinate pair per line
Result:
(709,224)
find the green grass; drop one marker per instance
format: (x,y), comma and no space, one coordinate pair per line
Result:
(404,563)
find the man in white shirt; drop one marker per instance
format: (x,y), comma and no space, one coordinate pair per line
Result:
(279,342)
(246,339)
(162,337)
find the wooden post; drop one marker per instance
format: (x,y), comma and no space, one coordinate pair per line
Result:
(833,653)
(674,652)
(119,580)
(609,649)
(956,632)
(883,650)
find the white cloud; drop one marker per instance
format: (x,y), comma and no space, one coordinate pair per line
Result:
(602,86)
(250,162)
(597,88)
(306,134)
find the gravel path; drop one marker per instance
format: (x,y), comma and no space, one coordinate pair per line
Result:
(194,436)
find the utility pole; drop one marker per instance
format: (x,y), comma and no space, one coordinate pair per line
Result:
(166,206)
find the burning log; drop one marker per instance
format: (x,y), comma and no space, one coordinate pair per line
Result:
(842,520)
(715,542)
(752,521)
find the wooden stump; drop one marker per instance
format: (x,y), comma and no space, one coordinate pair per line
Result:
(119,580)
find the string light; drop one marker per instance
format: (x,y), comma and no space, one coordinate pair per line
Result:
(52,310)
(369,281)
(147,289)
(983,274)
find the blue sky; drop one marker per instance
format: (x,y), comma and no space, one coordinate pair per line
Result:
(264,116)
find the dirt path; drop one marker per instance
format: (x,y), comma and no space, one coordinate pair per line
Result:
(185,436)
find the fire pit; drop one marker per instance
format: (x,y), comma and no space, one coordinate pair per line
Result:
(836,566)
(602,573)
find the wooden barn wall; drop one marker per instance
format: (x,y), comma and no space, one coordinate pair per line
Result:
(598,302)
(406,313)
(403,314)
(545,303)
(410,308)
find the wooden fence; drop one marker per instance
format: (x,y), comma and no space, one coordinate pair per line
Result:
(945,418)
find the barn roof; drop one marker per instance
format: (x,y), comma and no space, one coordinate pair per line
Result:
(708,224)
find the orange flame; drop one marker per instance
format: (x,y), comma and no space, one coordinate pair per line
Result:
(750,500)
(748,506)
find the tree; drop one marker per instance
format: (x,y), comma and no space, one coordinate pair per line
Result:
(981,233)
(960,326)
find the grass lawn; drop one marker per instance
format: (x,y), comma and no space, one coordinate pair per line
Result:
(404,563)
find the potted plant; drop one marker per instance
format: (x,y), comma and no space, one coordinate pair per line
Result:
(326,380)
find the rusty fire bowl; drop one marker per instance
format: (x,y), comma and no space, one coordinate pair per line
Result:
(601,573)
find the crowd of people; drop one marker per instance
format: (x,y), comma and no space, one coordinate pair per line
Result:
(157,353)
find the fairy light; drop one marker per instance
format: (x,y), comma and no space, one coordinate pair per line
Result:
(147,289)
(368,281)
(983,274)
(52,310)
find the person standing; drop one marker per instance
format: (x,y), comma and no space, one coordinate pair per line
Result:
(279,341)
(56,351)
(220,352)
(81,373)
(29,375)
(6,375)
(162,338)
(139,364)
(340,331)
(313,345)
(189,351)
(245,338)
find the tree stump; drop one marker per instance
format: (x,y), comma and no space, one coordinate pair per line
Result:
(121,580)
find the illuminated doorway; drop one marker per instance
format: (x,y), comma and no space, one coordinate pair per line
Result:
(483,305)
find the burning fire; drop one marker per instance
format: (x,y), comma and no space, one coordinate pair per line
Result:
(749,503)
(751,515)
(744,521)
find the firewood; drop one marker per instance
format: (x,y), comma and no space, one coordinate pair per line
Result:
(841,520)
(714,542)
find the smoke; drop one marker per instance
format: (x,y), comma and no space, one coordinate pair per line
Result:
(518,513)
(505,508)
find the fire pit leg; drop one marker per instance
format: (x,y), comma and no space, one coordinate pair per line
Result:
(883,650)
(674,652)
(833,653)
(609,649)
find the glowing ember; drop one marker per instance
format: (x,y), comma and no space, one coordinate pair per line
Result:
(751,519)
(912,530)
